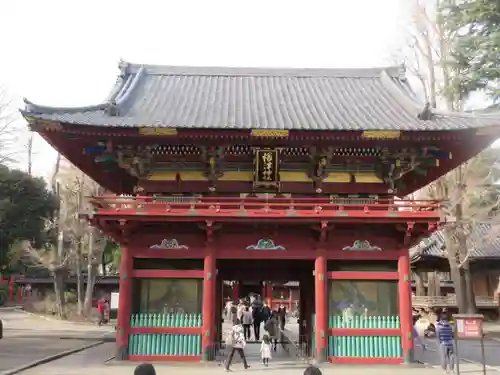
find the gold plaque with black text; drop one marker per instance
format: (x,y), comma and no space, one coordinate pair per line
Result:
(266,168)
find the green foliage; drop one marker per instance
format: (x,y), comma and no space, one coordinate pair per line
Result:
(70,297)
(475,48)
(112,255)
(25,206)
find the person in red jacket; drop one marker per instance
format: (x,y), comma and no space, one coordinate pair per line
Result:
(101,309)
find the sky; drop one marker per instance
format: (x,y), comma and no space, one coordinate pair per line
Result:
(66,52)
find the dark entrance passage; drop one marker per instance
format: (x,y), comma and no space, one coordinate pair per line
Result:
(249,287)
(252,277)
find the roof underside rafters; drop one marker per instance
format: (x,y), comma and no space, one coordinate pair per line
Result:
(250,98)
(433,248)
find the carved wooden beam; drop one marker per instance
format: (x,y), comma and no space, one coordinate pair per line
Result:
(319,163)
(213,159)
(136,160)
(409,230)
(324,232)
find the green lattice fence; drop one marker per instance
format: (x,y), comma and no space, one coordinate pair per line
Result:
(363,346)
(169,344)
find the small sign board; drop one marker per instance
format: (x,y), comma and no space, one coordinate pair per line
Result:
(468,326)
(113,303)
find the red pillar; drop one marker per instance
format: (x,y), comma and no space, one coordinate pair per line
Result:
(405,306)
(209,280)
(320,280)
(236,291)
(268,294)
(124,304)
(11,290)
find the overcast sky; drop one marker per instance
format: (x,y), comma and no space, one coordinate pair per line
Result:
(65,53)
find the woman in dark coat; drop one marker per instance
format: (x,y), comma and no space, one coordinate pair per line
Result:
(272,328)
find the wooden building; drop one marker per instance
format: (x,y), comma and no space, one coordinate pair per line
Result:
(263,174)
(430,255)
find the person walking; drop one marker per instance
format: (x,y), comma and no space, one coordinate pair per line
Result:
(234,312)
(257,306)
(101,309)
(241,309)
(282,316)
(265,350)
(247,321)
(272,328)
(444,335)
(237,342)
(416,336)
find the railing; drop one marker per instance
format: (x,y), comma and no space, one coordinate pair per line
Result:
(451,301)
(261,207)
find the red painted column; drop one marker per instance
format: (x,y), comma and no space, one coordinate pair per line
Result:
(11,290)
(236,291)
(320,280)
(124,304)
(405,306)
(209,281)
(269,294)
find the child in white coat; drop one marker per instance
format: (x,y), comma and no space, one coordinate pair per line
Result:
(265,350)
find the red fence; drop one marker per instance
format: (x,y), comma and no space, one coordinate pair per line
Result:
(10,294)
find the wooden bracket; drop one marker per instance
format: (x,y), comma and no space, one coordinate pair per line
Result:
(409,229)
(324,232)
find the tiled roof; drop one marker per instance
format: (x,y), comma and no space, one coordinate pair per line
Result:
(434,246)
(253,98)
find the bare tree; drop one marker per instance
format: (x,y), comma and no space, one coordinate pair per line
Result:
(427,56)
(96,244)
(54,258)
(29,149)
(87,244)
(10,128)
(77,241)
(470,203)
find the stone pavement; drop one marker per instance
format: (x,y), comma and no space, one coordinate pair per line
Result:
(469,351)
(81,364)
(253,349)
(20,324)
(28,338)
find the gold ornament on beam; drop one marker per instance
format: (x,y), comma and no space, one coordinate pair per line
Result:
(157,132)
(381,134)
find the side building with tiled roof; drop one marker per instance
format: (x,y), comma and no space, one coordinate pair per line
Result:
(430,255)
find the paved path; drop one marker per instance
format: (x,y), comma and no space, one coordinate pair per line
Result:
(27,338)
(468,351)
(80,365)
(19,324)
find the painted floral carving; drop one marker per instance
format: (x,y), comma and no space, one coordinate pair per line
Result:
(362,245)
(265,244)
(169,244)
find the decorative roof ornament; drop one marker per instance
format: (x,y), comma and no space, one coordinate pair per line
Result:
(169,244)
(426,113)
(265,244)
(402,72)
(362,245)
(112,109)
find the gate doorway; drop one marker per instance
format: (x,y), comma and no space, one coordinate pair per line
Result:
(249,287)
(252,277)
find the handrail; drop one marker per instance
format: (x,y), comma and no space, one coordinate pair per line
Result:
(444,301)
(256,206)
(397,202)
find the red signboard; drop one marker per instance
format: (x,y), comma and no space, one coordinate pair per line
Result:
(468,328)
